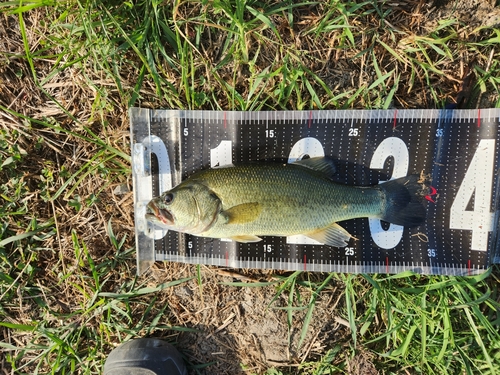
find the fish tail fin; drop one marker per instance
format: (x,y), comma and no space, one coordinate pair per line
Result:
(404,201)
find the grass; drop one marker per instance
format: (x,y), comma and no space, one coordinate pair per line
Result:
(68,72)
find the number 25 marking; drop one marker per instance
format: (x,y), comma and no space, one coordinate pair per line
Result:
(353,132)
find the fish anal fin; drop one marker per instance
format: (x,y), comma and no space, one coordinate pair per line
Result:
(243,213)
(334,235)
(246,238)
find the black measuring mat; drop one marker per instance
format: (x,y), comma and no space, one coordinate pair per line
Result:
(457,150)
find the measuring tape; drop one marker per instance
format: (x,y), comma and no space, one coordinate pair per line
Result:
(457,149)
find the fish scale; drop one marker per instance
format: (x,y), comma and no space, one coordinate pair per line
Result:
(457,150)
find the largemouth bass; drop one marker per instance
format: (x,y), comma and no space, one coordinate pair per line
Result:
(247,201)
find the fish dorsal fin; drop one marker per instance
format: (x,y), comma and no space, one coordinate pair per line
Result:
(243,213)
(221,166)
(246,238)
(320,164)
(334,235)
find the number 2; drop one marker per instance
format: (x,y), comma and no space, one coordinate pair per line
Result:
(313,148)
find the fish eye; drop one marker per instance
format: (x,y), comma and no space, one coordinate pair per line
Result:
(168,198)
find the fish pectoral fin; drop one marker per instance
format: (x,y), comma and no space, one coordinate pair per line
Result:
(334,235)
(246,238)
(242,213)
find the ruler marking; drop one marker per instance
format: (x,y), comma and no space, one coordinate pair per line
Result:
(479,118)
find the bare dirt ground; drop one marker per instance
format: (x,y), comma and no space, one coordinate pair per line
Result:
(233,325)
(475,12)
(246,325)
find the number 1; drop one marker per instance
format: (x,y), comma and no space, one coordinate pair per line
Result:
(222,154)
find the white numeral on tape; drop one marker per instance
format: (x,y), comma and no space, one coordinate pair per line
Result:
(478,182)
(395,147)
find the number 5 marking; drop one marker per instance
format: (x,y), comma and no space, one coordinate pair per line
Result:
(478,179)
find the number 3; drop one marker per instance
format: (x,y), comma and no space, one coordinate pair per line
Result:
(395,147)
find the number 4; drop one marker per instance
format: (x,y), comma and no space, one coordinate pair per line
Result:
(479,180)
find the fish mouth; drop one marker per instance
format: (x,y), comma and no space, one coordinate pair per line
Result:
(154,214)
